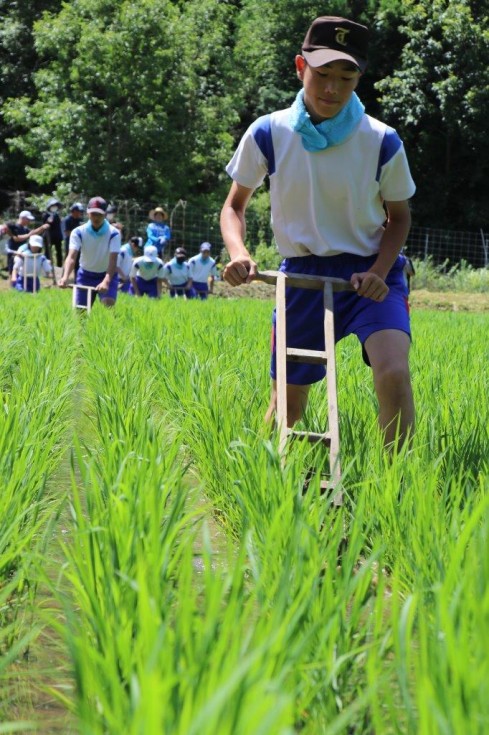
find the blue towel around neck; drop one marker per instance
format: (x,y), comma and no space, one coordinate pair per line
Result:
(332,131)
(101,231)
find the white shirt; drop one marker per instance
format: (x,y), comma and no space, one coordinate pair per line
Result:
(330,201)
(95,249)
(148,270)
(201,269)
(177,274)
(125,260)
(32,264)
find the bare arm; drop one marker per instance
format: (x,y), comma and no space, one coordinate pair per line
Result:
(68,267)
(242,268)
(111,270)
(371,284)
(36,231)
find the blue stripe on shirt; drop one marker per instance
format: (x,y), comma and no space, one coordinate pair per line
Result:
(391,143)
(262,133)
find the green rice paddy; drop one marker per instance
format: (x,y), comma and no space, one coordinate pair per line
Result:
(161,573)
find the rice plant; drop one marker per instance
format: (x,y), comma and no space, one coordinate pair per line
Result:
(295,618)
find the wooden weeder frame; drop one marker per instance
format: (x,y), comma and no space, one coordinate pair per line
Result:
(284,354)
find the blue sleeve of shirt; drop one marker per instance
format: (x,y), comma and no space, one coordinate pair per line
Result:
(151,235)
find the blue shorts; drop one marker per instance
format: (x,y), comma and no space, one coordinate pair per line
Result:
(89,278)
(353,314)
(201,289)
(127,288)
(150,288)
(29,282)
(181,290)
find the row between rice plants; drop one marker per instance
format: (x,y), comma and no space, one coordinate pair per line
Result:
(36,384)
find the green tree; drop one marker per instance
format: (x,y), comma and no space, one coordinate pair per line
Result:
(18,60)
(439,95)
(126,99)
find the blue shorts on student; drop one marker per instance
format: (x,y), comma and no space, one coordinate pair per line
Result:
(89,278)
(29,283)
(148,287)
(353,314)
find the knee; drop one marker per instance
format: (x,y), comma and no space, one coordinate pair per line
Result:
(393,379)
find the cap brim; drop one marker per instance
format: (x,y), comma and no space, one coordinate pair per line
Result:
(322,56)
(95,210)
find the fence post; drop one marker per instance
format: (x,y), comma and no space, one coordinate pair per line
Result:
(484,247)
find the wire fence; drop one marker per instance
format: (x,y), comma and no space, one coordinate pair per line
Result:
(192,225)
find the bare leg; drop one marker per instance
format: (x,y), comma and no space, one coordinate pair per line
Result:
(296,403)
(388,352)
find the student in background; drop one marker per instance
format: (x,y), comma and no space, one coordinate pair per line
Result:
(129,251)
(98,244)
(29,264)
(20,232)
(203,271)
(148,273)
(177,275)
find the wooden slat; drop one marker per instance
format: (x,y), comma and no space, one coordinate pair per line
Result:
(311,357)
(303,280)
(311,436)
(329,341)
(281,360)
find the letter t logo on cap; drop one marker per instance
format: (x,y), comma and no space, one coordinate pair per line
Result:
(341,36)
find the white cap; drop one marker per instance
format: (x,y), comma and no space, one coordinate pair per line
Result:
(36,241)
(25,214)
(150,253)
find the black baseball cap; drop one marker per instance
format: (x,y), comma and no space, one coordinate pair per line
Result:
(331,38)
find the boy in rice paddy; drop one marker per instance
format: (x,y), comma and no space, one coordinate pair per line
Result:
(339,190)
(98,243)
(148,273)
(29,264)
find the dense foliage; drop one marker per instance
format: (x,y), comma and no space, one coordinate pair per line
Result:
(147,100)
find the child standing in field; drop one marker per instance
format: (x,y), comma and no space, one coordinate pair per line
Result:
(148,273)
(177,275)
(203,271)
(29,264)
(334,174)
(98,244)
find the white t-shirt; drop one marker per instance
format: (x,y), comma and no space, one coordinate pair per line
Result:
(177,274)
(125,260)
(32,265)
(330,201)
(148,270)
(95,249)
(201,269)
